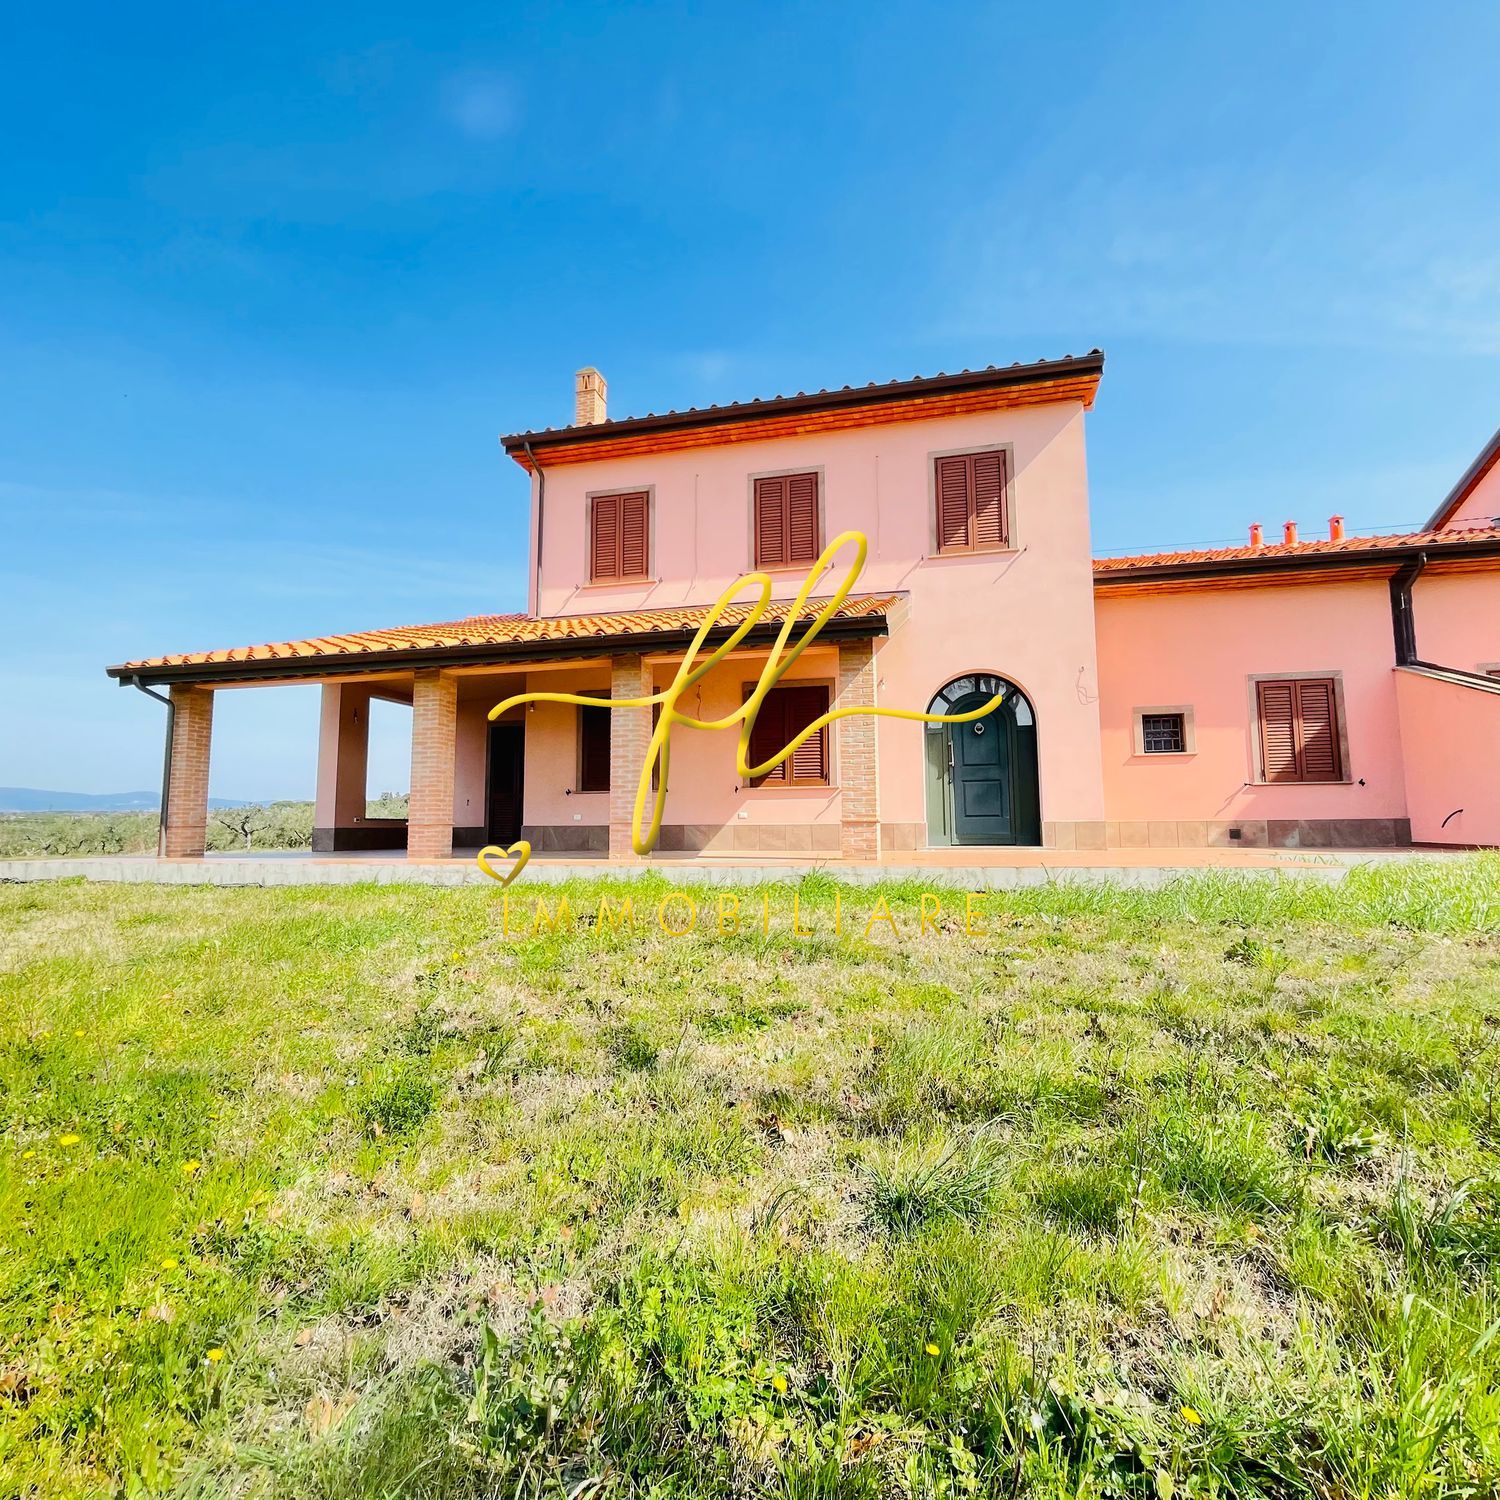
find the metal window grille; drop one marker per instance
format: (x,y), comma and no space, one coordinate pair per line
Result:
(1162,734)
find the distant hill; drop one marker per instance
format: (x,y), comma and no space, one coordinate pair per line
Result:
(16,799)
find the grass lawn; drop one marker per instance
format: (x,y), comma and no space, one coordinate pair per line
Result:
(346,1193)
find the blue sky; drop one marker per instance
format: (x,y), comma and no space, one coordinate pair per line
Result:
(273,278)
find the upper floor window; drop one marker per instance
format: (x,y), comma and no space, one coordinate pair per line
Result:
(1300,733)
(619,537)
(786,520)
(970,490)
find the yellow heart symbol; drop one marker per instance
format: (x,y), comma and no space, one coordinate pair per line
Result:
(521,849)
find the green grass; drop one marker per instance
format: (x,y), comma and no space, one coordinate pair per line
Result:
(345,1193)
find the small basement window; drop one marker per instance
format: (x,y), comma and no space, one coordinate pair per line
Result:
(1162,734)
(1164,731)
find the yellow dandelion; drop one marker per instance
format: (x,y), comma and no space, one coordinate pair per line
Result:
(70,1139)
(80,1032)
(27,1155)
(458,957)
(170,1263)
(189,1167)
(214,1356)
(931,1349)
(779,1383)
(1191,1417)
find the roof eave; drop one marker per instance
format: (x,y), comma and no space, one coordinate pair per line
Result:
(1091,363)
(1489,456)
(361,663)
(1245,567)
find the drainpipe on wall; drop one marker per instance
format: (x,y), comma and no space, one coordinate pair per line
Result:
(166,761)
(541,512)
(1403,620)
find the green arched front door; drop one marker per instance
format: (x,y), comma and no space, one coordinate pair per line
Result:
(982,776)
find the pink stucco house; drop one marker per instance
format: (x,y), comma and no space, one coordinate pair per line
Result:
(1338,691)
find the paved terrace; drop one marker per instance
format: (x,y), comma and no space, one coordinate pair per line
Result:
(972,869)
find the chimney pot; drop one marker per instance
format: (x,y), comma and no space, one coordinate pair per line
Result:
(1257,537)
(1335,528)
(1289,534)
(590,393)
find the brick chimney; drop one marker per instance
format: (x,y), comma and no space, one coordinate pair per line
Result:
(1257,537)
(1289,534)
(589,397)
(1335,528)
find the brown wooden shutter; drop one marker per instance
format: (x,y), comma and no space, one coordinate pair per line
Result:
(1278,731)
(770,523)
(786,520)
(786,712)
(1299,730)
(619,543)
(604,544)
(952,505)
(593,749)
(633,533)
(1317,730)
(802,518)
(768,735)
(971,502)
(809,761)
(989,499)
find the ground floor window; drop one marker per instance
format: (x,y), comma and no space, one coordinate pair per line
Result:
(1162,734)
(784,713)
(593,749)
(1299,729)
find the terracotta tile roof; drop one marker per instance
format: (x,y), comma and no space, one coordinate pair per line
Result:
(1073,377)
(501,631)
(1352,548)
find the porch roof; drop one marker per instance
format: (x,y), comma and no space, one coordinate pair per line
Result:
(481,640)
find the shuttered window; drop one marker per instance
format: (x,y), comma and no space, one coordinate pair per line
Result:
(786,520)
(972,506)
(1299,730)
(786,712)
(618,537)
(593,749)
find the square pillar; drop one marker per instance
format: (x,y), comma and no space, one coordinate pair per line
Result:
(434,737)
(184,825)
(629,735)
(343,760)
(859,800)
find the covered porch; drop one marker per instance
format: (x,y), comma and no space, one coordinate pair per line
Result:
(562,777)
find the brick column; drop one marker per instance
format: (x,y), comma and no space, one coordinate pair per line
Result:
(629,735)
(434,731)
(859,831)
(185,817)
(343,760)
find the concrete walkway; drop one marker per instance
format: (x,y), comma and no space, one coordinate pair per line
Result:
(969,869)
